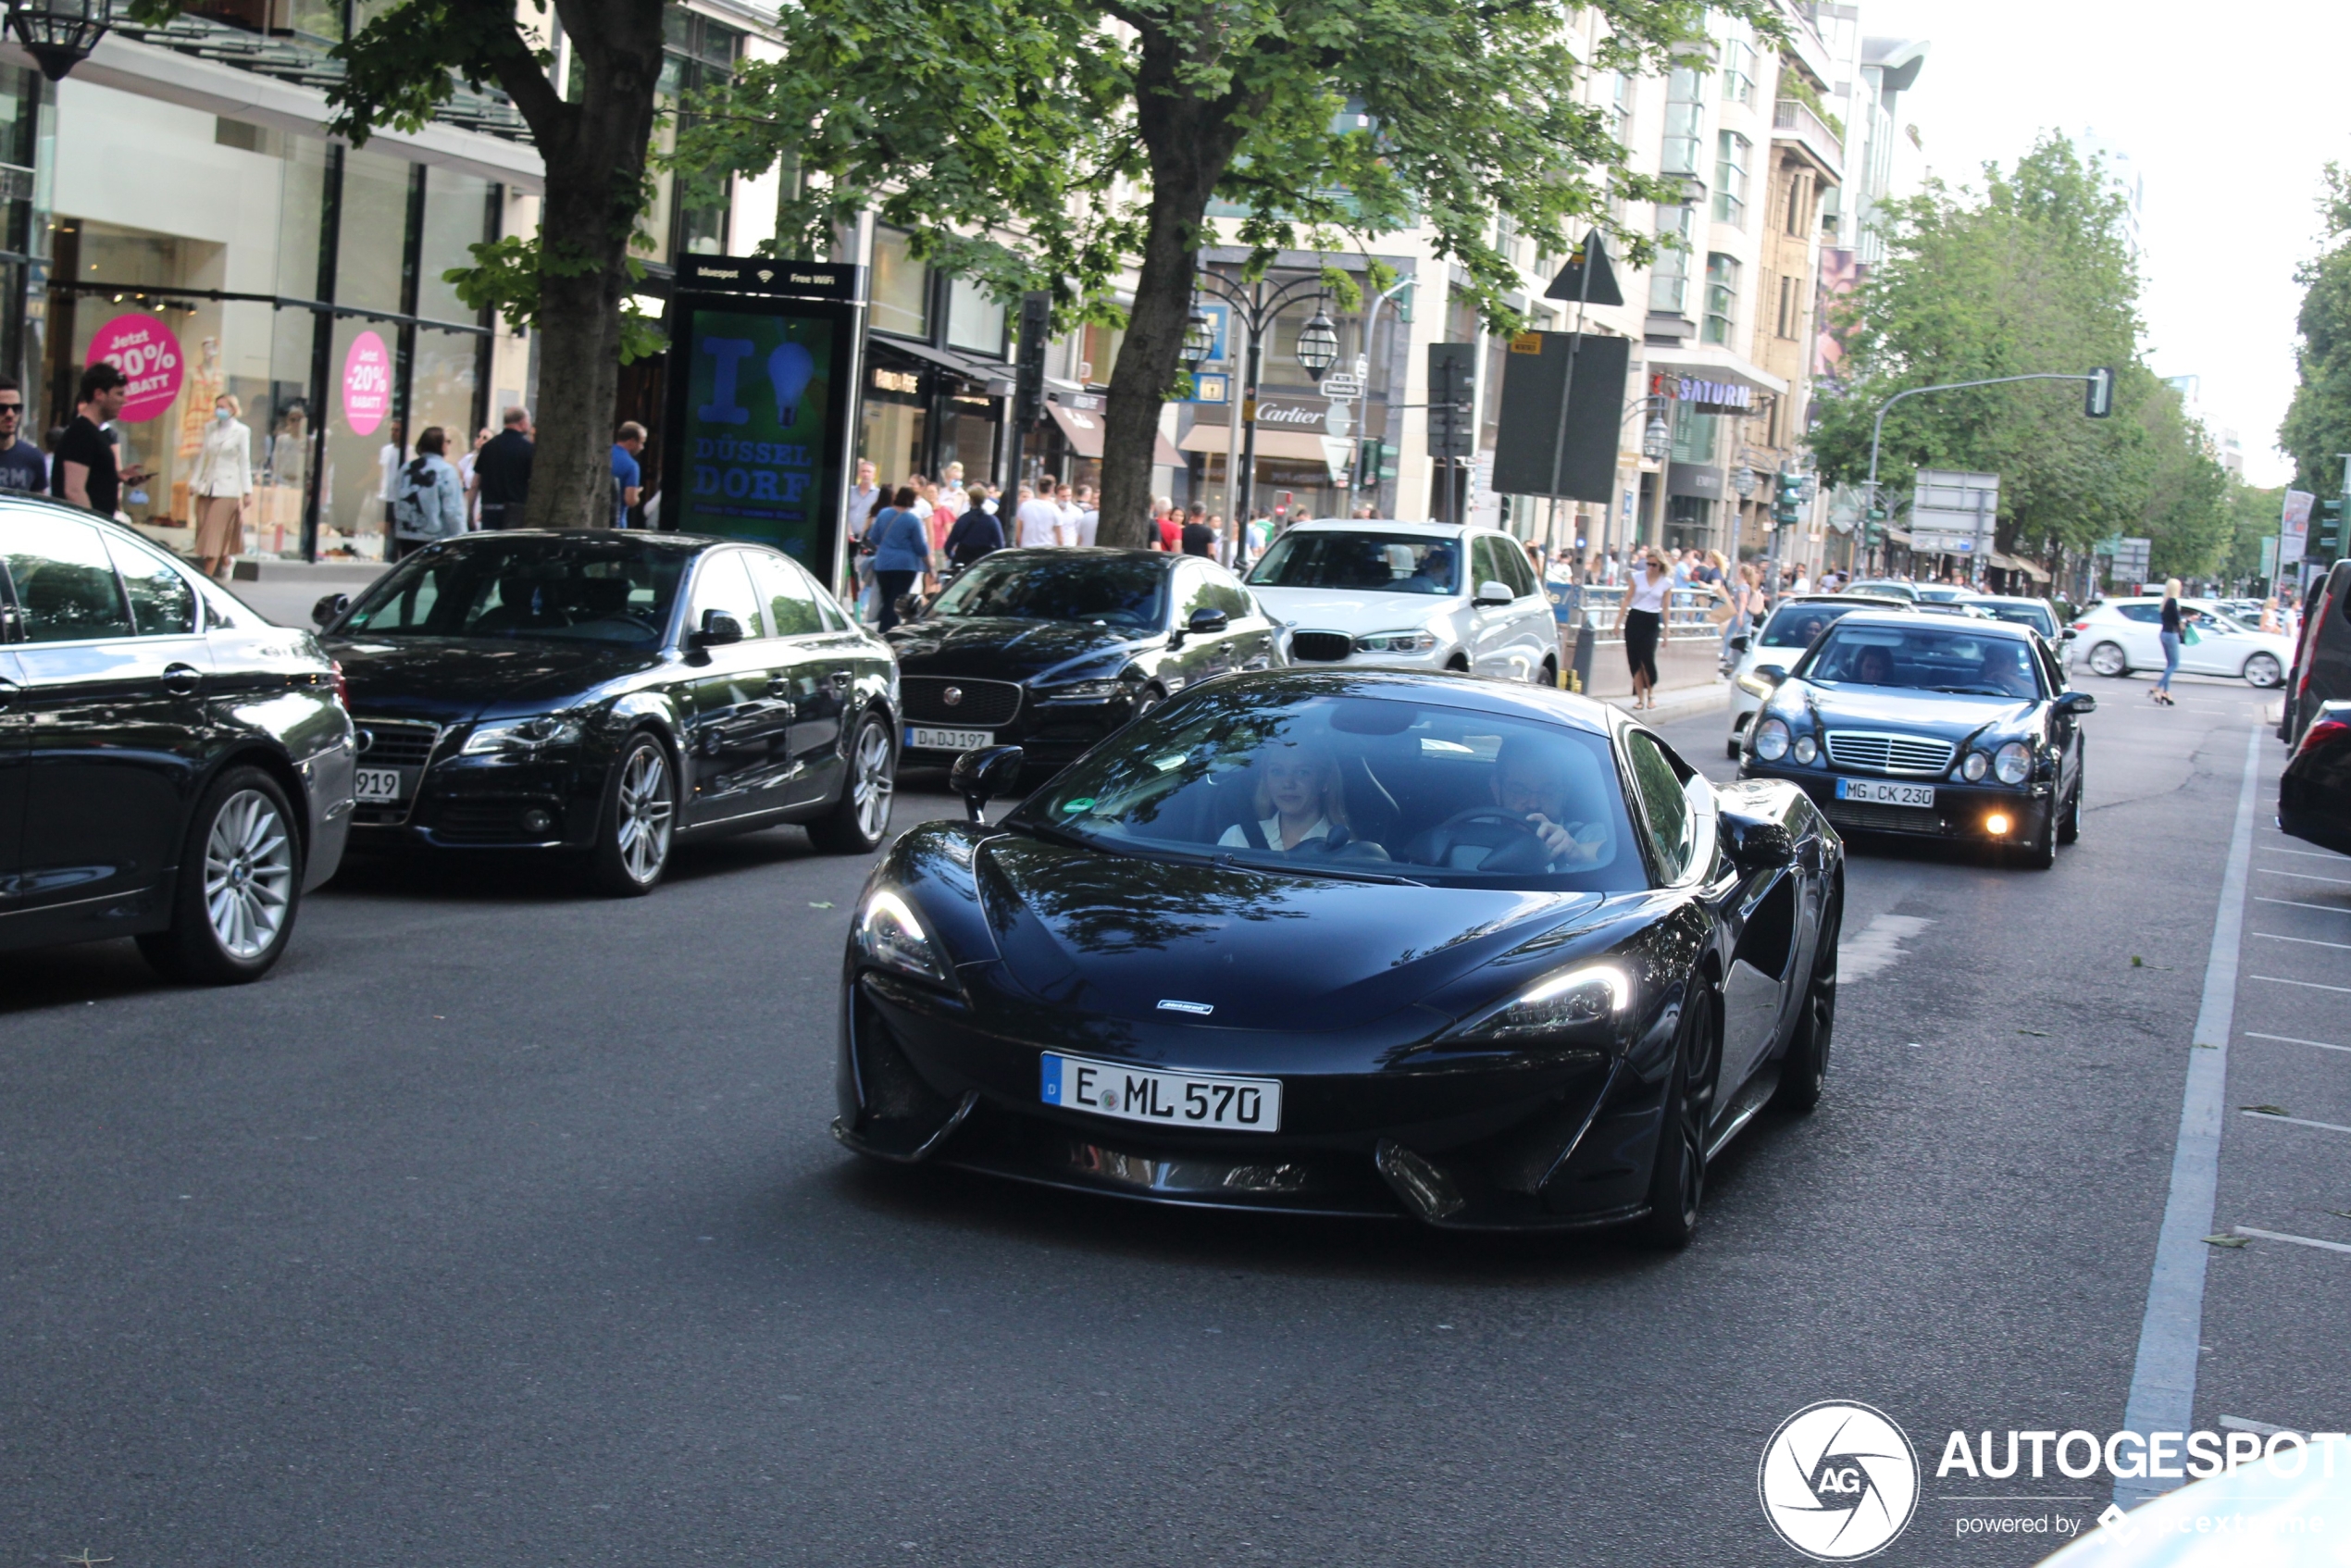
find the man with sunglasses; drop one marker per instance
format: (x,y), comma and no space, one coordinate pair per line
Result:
(22,466)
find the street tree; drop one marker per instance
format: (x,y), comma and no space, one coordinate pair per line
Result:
(2035,273)
(1054,143)
(569,280)
(2317,423)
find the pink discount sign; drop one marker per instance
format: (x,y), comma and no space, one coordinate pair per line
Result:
(144,350)
(366,384)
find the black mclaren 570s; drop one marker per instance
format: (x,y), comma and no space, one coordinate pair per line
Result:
(1351,944)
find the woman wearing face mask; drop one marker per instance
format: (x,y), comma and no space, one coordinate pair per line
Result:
(222,487)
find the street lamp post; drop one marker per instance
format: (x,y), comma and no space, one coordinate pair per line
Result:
(1257,310)
(60,34)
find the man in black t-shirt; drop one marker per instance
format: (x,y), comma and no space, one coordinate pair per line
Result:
(21,464)
(85,472)
(1198,538)
(502,472)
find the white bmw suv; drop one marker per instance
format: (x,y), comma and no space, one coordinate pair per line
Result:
(1409,596)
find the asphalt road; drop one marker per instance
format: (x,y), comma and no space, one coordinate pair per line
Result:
(501,1225)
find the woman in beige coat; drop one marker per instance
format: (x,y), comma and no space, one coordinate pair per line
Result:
(222,487)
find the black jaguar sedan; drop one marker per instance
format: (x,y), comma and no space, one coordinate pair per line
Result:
(1052,650)
(1961,731)
(1360,943)
(609,694)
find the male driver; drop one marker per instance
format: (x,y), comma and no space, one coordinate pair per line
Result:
(501,473)
(22,467)
(627,479)
(1534,780)
(85,472)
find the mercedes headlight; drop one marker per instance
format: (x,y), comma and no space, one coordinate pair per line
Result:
(1562,1001)
(518,740)
(1978,763)
(891,938)
(1806,749)
(1395,643)
(2013,763)
(1770,740)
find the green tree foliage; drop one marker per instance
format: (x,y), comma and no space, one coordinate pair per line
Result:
(2034,274)
(2317,423)
(2253,517)
(569,280)
(1054,143)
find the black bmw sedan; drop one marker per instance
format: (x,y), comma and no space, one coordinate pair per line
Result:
(1353,943)
(1953,730)
(1052,650)
(606,695)
(172,767)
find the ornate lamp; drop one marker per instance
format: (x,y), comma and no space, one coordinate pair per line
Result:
(1199,338)
(60,34)
(1656,440)
(1743,481)
(1318,344)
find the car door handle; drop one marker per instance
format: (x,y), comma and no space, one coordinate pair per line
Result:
(182,681)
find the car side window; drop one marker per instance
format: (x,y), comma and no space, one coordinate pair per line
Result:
(2148,614)
(1521,571)
(1193,592)
(1228,594)
(721,583)
(162,602)
(2051,671)
(787,595)
(1665,805)
(1485,563)
(65,584)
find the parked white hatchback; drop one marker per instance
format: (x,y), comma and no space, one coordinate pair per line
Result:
(1409,596)
(2122,635)
(1794,622)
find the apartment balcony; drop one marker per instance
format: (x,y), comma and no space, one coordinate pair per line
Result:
(1795,125)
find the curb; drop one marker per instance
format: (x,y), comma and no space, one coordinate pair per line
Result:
(1681,703)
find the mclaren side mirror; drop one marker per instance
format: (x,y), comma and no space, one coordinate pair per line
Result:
(979,777)
(2076,703)
(1757,844)
(1492,592)
(329,607)
(1206,621)
(717,629)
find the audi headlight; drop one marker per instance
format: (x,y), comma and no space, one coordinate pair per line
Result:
(518,739)
(1562,1001)
(1395,643)
(1978,763)
(1082,691)
(1770,740)
(889,936)
(2013,763)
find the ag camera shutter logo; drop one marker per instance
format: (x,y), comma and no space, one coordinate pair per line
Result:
(1838,1481)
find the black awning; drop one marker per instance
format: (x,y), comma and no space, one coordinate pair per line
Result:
(993,376)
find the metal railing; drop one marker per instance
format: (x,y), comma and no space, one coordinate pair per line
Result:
(1602,608)
(1789,116)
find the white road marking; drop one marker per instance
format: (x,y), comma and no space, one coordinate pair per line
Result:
(2299,904)
(2306,942)
(2307,877)
(2297,1121)
(2163,1373)
(1877,946)
(2297,1240)
(2314,854)
(2291,1039)
(2246,1424)
(2307,985)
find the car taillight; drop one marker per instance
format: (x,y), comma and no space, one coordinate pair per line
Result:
(2325,731)
(343,687)
(2083,624)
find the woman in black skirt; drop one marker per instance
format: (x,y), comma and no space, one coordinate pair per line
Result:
(1644,617)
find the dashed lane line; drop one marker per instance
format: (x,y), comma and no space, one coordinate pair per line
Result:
(2307,985)
(2293,1039)
(2314,854)
(2297,1240)
(2306,877)
(2302,903)
(2294,1121)
(2306,942)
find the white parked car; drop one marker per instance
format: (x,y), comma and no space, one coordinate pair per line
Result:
(2122,635)
(1788,631)
(1409,596)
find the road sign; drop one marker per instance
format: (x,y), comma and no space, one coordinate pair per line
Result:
(1339,452)
(1340,387)
(1954,513)
(1335,420)
(2131,559)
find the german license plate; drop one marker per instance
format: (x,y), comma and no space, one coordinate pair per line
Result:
(920,738)
(376,784)
(1173,1099)
(1877,792)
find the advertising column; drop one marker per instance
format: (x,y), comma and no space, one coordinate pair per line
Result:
(764,359)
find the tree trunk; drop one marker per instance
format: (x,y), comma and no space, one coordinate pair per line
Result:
(594,150)
(1191,141)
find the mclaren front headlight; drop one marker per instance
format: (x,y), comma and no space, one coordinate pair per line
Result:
(890,936)
(1556,1005)
(521,740)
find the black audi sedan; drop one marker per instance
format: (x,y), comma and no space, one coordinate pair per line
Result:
(1362,942)
(172,767)
(1052,650)
(607,695)
(1941,730)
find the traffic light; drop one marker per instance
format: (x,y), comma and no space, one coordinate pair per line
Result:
(1028,358)
(2330,540)
(1787,499)
(2098,402)
(1452,382)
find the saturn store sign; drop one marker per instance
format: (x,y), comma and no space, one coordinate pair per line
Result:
(1711,397)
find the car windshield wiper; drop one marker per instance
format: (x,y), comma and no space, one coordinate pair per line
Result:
(1973,690)
(1321,868)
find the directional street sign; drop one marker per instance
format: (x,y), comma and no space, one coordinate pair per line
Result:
(1340,387)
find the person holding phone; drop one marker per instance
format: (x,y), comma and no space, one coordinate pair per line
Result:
(85,472)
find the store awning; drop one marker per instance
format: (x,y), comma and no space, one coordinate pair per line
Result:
(1896,536)
(1289,446)
(993,375)
(1084,430)
(1703,362)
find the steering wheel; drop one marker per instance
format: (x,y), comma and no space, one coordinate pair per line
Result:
(1511,842)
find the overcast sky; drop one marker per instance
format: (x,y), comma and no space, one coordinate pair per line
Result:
(2230,111)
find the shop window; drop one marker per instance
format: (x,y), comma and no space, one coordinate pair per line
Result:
(372,252)
(975,318)
(900,287)
(1694,435)
(456,217)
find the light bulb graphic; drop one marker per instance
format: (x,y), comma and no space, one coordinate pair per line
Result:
(789,367)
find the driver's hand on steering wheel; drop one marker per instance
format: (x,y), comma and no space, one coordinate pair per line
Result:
(1558,842)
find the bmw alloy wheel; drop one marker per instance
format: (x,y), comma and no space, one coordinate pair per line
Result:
(248,874)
